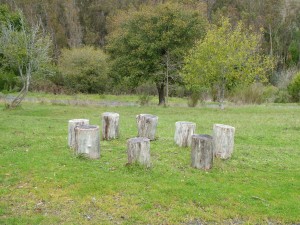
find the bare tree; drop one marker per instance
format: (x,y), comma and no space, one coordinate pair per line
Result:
(25,50)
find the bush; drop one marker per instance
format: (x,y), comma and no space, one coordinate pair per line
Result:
(256,93)
(294,88)
(282,96)
(147,88)
(144,99)
(47,86)
(9,81)
(84,69)
(193,99)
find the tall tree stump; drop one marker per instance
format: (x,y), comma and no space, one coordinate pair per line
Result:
(223,140)
(87,140)
(147,124)
(183,133)
(138,150)
(71,130)
(202,151)
(110,125)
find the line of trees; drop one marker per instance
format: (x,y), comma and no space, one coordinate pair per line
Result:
(127,43)
(73,23)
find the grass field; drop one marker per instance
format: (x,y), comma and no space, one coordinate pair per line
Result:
(42,182)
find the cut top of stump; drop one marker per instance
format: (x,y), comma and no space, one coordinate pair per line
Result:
(224,126)
(87,127)
(138,140)
(202,137)
(113,114)
(150,116)
(83,121)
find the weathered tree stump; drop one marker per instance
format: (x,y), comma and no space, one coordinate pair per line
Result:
(202,151)
(87,139)
(223,140)
(183,133)
(146,125)
(71,128)
(110,125)
(138,150)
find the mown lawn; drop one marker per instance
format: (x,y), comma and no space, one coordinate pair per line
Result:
(42,182)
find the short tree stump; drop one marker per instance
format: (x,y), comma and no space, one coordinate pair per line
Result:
(202,151)
(71,130)
(147,124)
(138,150)
(223,140)
(87,141)
(110,125)
(183,133)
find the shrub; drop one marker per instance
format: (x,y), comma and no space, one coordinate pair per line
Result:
(9,81)
(144,99)
(47,86)
(256,93)
(282,96)
(193,99)
(294,88)
(84,69)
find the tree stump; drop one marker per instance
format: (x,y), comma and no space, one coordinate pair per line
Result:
(202,151)
(223,140)
(146,125)
(110,125)
(183,133)
(87,140)
(71,128)
(138,150)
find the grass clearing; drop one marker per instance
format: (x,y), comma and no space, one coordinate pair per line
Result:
(42,182)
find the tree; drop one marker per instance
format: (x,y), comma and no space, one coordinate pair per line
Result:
(8,80)
(25,50)
(226,57)
(149,43)
(84,69)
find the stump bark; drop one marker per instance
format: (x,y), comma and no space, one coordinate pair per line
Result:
(183,133)
(223,140)
(138,150)
(71,130)
(202,151)
(87,140)
(110,125)
(147,124)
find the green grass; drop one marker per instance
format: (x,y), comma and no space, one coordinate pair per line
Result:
(85,99)
(42,182)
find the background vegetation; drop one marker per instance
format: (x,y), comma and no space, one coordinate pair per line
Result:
(77,25)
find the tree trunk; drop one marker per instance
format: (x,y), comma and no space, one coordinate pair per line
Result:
(223,140)
(20,97)
(222,95)
(87,141)
(161,93)
(138,150)
(167,76)
(110,125)
(146,125)
(183,133)
(202,151)
(71,128)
